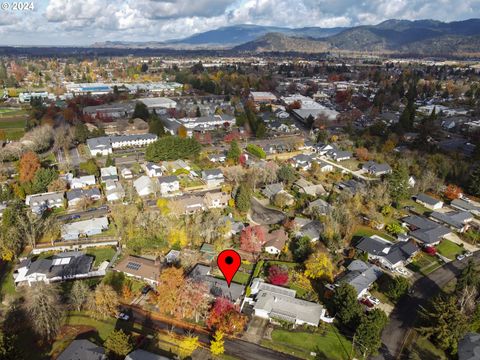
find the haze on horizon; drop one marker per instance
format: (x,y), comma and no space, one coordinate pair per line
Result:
(83,22)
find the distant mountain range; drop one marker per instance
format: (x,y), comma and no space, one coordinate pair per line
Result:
(423,37)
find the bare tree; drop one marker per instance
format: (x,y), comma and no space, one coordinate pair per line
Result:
(79,295)
(42,303)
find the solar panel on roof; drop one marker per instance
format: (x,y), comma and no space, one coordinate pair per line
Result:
(133,266)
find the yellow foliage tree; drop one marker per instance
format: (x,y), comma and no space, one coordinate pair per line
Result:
(319,266)
(162,205)
(103,302)
(217,346)
(177,236)
(188,346)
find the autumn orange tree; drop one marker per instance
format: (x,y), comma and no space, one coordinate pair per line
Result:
(362,154)
(226,317)
(453,192)
(28,166)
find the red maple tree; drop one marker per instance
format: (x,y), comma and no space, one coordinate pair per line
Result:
(278,275)
(226,317)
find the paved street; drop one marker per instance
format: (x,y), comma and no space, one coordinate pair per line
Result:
(404,315)
(235,347)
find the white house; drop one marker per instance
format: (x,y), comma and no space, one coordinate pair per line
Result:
(39,202)
(153,170)
(126,174)
(429,202)
(213,178)
(114,191)
(82,182)
(108,173)
(95,226)
(144,186)
(169,185)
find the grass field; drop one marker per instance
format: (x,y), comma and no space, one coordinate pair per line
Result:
(7,286)
(12,122)
(363,230)
(331,345)
(449,249)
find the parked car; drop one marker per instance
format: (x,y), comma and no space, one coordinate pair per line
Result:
(402,271)
(373,300)
(367,302)
(468,254)
(430,250)
(146,289)
(123,316)
(460,257)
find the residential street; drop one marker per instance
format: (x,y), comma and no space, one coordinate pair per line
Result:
(404,316)
(238,348)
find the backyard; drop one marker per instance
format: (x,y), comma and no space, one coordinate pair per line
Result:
(424,263)
(449,249)
(329,344)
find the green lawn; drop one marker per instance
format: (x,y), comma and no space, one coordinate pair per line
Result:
(7,286)
(426,350)
(331,345)
(424,263)
(363,230)
(101,254)
(449,249)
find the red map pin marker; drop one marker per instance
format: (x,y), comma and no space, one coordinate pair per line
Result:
(229,262)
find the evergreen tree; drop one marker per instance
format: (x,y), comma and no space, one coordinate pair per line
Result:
(398,184)
(369,331)
(109,161)
(242,198)
(345,302)
(474,181)
(141,111)
(234,152)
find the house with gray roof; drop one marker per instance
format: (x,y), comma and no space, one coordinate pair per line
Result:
(456,220)
(99,146)
(303,161)
(424,230)
(217,287)
(428,201)
(75,197)
(144,186)
(40,202)
(338,155)
(277,303)
(108,173)
(169,185)
(361,276)
(376,169)
(270,190)
(390,255)
(60,267)
(83,349)
(469,347)
(140,354)
(320,207)
(86,228)
(213,178)
(312,229)
(464,205)
(309,188)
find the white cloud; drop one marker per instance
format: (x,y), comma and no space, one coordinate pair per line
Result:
(75,22)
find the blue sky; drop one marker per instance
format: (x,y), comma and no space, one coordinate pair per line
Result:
(83,22)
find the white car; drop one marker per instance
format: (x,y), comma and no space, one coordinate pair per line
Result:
(460,257)
(468,254)
(123,316)
(373,300)
(402,271)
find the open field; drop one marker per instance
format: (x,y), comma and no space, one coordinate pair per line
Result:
(12,122)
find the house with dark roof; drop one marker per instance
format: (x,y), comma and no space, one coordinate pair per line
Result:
(303,161)
(360,275)
(339,155)
(376,169)
(75,197)
(469,347)
(428,201)
(309,188)
(351,185)
(68,265)
(320,207)
(140,354)
(83,349)
(217,287)
(464,205)
(424,230)
(456,220)
(169,184)
(390,255)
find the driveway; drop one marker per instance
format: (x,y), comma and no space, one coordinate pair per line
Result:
(255,330)
(454,238)
(404,315)
(265,216)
